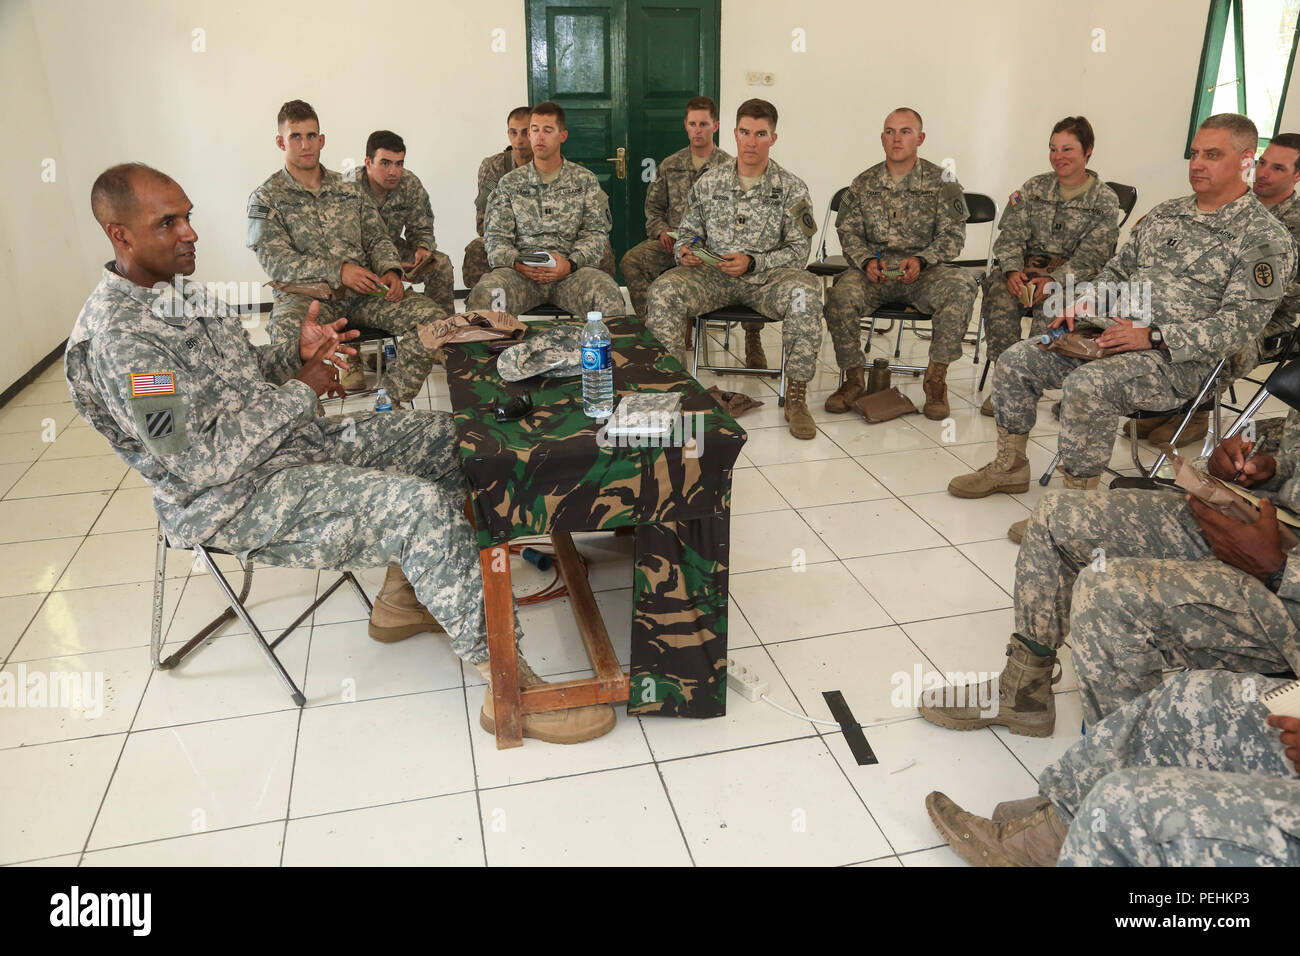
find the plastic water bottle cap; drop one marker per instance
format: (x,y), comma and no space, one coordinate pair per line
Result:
(383,392)
(594,316)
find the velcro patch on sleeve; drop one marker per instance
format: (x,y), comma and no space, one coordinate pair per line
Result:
(1016,198)
(956,200)
(258,211)
(160,423)
(802,214)
(152,383)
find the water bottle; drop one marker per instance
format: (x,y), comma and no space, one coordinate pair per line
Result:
(1052,335)
(597,369)
(382,402)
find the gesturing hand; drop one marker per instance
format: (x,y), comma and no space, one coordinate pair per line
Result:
(320,374)
(314,334)
(1252,548)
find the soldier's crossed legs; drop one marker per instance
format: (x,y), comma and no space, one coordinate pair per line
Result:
(1188,774)
(394,494)
(406,377)
(792,295)
(945,292)
(583,291)
(1130,577)
(1094,395)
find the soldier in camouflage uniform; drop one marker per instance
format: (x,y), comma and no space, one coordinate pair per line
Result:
(1131,576)
(1068,217)
(403,205)
(1276,175)
(1212,277)
(550,205)
(519,153)
(904,214)
(758,217)
(227,435)
(313,231)
(1195,772)
(665,204)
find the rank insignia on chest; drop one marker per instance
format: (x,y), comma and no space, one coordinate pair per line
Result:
(546,211)
(152,383)
(1263,273)
(740,220)
(1173,241)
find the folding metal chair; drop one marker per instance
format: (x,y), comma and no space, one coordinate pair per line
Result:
(727,315)
(236,609)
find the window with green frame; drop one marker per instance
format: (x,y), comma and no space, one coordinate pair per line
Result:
(1246,62)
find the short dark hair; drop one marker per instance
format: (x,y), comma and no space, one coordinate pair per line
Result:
(549,108)
(1289,141)
(295,111)
(705,103)
(920,123)
(384,139)
(1079,128)
(112,197)
(757,109)
(1242,129)
(519,111)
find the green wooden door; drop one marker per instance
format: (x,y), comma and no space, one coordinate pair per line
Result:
(623,71)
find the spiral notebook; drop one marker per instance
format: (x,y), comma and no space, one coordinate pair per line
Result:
(1284,701)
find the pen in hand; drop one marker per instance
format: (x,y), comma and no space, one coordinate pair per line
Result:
(1253,449)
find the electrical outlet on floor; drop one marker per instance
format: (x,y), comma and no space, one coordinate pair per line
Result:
(745,681)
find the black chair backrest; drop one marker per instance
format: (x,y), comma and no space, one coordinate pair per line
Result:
(1284,383)
(838,198)
(1128,197)
(982,208)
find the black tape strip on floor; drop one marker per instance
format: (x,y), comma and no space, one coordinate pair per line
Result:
(853,734)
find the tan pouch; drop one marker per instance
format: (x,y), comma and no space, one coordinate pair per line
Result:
(884,405)
(480,325)
(734,403)
(1080,344)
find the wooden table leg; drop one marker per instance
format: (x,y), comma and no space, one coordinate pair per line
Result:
(502,653)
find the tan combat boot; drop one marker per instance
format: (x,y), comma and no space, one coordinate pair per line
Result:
(1017,531)
(1020,698)
(987,408)
(553,726)
(353,379)
(1034,839)
(855,384)
(1194,432)
(755,357)
(1145,426)
(1008,471)
(397,613)
(936,391)
(796,410)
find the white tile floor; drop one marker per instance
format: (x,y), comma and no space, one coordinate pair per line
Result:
(851,568)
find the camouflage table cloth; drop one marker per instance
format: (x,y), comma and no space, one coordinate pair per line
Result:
(548,472)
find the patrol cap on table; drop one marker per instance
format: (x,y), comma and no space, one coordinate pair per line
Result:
(555,352)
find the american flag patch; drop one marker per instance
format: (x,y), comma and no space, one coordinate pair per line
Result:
(152,383)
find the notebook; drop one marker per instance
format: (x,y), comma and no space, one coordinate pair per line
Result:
(1285,701)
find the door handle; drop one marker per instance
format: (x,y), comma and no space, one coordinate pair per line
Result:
(620,163)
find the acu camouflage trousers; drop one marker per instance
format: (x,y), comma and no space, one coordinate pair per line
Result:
(792,295)
(391,493)
(1187,774)
(403,379)
(1132,580)
(580,292)
(1093,396)
(946,293)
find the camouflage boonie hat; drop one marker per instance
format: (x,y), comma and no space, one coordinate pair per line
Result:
(556,352)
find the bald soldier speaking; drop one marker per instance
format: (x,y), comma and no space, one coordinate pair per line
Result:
(227,435)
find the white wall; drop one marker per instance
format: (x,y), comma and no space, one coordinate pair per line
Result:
(91,84)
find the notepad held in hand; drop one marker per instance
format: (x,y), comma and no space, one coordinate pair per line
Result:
(1285,701)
